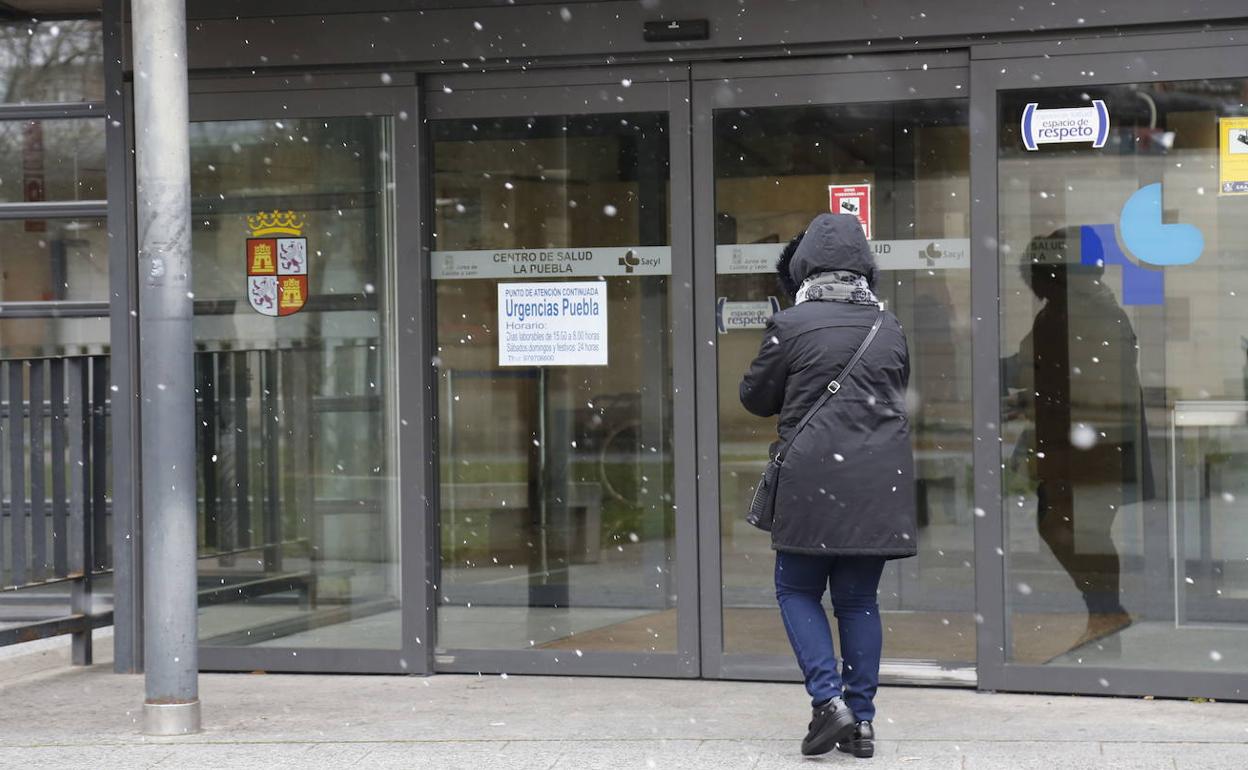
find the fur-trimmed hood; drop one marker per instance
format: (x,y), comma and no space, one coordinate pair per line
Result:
(830,242)
(785,281)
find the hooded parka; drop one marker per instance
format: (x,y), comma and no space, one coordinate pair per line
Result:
(846,486)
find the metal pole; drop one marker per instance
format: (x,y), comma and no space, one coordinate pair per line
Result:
(163,188)
(123,342)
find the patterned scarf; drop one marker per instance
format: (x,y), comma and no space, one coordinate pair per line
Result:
(837,286)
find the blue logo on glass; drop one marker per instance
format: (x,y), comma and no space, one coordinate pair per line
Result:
(1140,285)
(1150,241)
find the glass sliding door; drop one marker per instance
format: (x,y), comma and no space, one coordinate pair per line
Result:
(294,244)
(556,324)
(1123,410)
(781,150)
(1121,341)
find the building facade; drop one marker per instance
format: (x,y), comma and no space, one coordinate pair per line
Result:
(475,284)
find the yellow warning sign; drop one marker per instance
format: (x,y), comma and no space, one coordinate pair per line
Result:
(1233,156)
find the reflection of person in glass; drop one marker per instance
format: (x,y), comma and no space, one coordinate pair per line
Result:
(1086,449)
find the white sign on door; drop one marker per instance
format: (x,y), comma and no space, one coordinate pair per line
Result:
(732,315)
(914,254)
(552,323)
(552,263)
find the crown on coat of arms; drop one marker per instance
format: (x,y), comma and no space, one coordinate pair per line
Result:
(276,223)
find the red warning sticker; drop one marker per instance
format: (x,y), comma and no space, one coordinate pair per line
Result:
(852,199)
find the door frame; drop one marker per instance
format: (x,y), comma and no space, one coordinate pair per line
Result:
(1047,64)
(794,82)
(642,88)
(352,95)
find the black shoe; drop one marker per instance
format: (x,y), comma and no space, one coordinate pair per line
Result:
(832,723)
(862,744)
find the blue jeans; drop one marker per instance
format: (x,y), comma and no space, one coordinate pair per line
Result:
(853,582)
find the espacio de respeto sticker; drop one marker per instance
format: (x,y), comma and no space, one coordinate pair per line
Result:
(1065,125)
(552,323)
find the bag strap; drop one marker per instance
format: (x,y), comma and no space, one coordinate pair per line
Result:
(835,385)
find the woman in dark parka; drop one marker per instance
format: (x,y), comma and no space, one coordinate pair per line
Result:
(845,499)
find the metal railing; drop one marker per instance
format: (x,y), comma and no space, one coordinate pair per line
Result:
(268,421)
(260,438)
(54,501)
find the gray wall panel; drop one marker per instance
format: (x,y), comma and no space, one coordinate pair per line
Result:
(331,32)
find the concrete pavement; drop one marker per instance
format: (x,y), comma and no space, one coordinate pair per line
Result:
(77,718)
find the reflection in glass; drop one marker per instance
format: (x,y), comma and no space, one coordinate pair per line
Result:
(556,481)
(773,167)
(298,517)
(51,160)
(1124,403)
(1076,382)
(53,260)
(51,61)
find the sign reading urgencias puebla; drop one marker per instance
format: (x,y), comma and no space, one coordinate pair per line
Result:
(277,263)
(552,323)
(1068,124)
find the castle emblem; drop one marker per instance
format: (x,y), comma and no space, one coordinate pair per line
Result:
(277,263)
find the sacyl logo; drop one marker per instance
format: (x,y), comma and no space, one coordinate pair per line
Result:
(1148,239)
(629,261)
(1153,241)
(935,253)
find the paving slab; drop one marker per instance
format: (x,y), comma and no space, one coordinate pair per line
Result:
(63,717)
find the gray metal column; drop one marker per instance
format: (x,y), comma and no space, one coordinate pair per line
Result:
(123,341)
(162,191)
(658,578)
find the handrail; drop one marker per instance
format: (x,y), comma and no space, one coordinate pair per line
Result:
(258,411)
(53,581)
(54,309)
(70,308)
(55,416)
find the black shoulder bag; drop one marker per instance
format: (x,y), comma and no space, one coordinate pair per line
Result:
(763,504)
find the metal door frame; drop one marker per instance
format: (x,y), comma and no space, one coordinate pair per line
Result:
(784,83)
(642,88)
(1048,64)
(354,95)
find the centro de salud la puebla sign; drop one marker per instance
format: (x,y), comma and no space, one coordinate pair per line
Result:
(1065,125)
(595,261)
